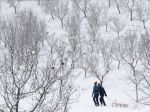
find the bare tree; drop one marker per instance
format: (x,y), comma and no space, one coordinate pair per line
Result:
(106,55)
(61,10)
(57,8)
(99,60)
(84,64)
(144,88)
(49,6)
(129,54)
(109,3)
(144,51)
(47,88)
(56,93)
(73,26)
(58,67)
(118,4)
(117,25)
(83,5)
(130,6)
(84,58)
(94,20)
(142,14)
(106,18)
(116,49)
(74,50)
(99,57)
(21,61)
(14,4)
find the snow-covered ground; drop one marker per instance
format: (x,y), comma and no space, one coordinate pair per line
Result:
(117,87)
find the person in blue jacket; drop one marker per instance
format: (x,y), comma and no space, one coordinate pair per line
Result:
(102,92)
(95,94)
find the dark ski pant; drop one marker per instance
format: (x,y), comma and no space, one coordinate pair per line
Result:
(102,100)
(95,99)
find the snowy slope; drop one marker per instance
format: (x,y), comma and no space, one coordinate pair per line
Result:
(116,86)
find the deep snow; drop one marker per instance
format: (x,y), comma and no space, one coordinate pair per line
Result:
(117,88)
(116,85)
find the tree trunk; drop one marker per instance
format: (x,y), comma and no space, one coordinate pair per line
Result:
(118,7)
(62,24)
(15,8)
(144,24)
(18,98)
(137,95)
(118,33)
(85,72)
(60,89)
(118,62)
(106,27)
(66,104)
(109,2)
(136,84)
(84,14)
(102,81)
(52,16)
(131,15)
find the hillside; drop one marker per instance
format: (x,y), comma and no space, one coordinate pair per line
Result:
(52,52)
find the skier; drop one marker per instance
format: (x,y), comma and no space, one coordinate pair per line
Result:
(95,94)
(102,92)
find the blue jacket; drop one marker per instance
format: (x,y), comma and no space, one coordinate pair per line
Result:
(95,90)
(101,91)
